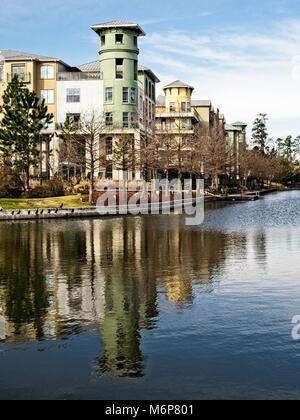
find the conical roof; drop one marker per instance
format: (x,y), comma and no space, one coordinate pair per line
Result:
(178,84)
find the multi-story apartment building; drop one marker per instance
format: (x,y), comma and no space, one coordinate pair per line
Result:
(115,86)
(129,89)
(39,74)
(178,113)
(119,89)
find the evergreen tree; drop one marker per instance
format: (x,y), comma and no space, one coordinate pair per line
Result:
(24,117)
(289,147)
(260,133)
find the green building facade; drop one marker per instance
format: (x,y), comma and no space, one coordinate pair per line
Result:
(119,66)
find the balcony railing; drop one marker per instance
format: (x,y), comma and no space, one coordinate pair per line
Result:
(24,77)
(77,76)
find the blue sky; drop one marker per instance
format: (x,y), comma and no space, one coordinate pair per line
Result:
(244,56)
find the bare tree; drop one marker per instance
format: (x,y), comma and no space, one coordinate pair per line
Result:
(217,155)
(172,144)
(147,155)
(86,146)
(68,134)
(124,153)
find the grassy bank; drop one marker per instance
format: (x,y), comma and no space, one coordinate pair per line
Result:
(71,202)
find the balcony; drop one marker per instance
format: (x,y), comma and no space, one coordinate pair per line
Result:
(24,77)
(77,76)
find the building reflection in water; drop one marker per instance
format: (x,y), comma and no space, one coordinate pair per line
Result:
(103,276)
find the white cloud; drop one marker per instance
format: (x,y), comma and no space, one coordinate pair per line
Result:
(243,71)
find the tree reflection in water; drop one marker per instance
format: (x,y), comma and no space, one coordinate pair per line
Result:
(103,276)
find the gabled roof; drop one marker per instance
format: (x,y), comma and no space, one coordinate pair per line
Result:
(178,84)
(118,24)
(201,103)
(14,55)
(95,67)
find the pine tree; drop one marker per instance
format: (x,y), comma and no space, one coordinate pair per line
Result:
(260,133)
(289,147)
(24,117)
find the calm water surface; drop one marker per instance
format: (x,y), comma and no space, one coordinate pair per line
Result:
(147,308)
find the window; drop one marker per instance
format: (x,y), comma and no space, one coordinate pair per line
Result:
(74,119)
(185,107)
(103,40)
(48,96)
(125,119)
(135,70)
(135,42)
(153,92)
(119,39)
(119,68)
(109,95)
(109,146)
(19,70)
(133,95)
(134,120)
(141,104)
(186,123)
(172,107)
(47,72)
(109,119)
(125,95)
(172,124)
(73,95)
(109,172)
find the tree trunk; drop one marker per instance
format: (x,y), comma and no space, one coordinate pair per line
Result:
(91,190)
(27,172)
(92,182)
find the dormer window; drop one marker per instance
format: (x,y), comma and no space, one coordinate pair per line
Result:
(119,39)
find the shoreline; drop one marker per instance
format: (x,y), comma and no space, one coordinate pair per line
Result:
(92,212)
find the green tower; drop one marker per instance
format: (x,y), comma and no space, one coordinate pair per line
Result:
(119,66)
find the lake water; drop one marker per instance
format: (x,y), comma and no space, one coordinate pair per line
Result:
(149,308)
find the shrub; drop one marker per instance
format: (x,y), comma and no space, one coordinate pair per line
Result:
(81,188)
(11,185)
(54,188)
